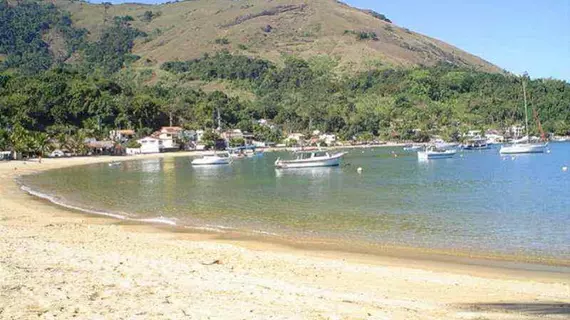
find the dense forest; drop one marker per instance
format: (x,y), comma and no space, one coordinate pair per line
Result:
(85,89)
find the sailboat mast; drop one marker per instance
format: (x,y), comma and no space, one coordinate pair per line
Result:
(525,107)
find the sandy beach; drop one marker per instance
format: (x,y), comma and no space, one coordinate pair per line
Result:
(56,263)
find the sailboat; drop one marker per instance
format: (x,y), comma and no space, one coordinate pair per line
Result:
(524,145)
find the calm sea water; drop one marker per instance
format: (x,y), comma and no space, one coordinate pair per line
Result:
(478,201)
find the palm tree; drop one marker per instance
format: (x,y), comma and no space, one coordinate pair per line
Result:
(19,139)
(41,143)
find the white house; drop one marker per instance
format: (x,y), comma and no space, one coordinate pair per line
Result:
(329,139)
(150,145)
(473,133)
(168,137)
(517,131)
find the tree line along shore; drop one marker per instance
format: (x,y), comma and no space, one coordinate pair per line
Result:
(96,86)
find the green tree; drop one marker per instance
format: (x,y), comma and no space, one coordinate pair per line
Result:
(210,138)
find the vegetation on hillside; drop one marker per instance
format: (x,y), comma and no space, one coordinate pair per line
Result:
(22,35)
(391,102)
(113,50)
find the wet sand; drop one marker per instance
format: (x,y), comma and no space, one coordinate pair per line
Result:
(58,263)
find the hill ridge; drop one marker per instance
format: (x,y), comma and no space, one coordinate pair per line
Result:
(273,29)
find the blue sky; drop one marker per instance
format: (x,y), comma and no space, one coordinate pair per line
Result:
(516,35)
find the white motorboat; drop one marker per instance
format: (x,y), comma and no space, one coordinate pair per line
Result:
(210,160)
(525,145)
(311,159)
(436,153)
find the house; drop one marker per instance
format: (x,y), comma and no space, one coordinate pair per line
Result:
(265,123)
(199,135)
(150,145)
(329,139)
(494,136)
(248,137)
(517,131)
(102,147)
(169,137)
(296,136)
(121,135)
(474,133)
(5,155)
(232,134)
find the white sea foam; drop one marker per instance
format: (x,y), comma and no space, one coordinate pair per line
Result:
(59,202)
(160,220)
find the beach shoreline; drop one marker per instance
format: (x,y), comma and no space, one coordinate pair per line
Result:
(29,224)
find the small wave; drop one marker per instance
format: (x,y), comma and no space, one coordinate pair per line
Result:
(160,220)
(59,202)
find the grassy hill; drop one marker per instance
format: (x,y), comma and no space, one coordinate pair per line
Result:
(355,39)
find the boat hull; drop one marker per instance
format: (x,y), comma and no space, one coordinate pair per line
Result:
(210,162)
(332,161)
(428,155)
(481,147)
(523,148)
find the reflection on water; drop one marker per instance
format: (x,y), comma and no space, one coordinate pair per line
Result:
(150,166)
(475,202)
(312,173)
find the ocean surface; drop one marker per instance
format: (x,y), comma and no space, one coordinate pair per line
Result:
(478,201)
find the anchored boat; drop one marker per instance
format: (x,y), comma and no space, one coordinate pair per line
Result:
(477,143)
(215,159)
(311,159)
(525,145)
(433,152)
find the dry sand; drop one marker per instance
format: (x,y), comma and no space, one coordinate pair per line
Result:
(55,263)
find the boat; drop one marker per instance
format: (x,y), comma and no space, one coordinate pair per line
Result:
(441,144)
(477,143)
(433,152)
(210,160)
(517,148)
(244,152)
(311,159)
(561,139)
(525,145)
(410,147)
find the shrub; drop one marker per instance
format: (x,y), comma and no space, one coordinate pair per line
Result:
(223,41)
(133,144)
